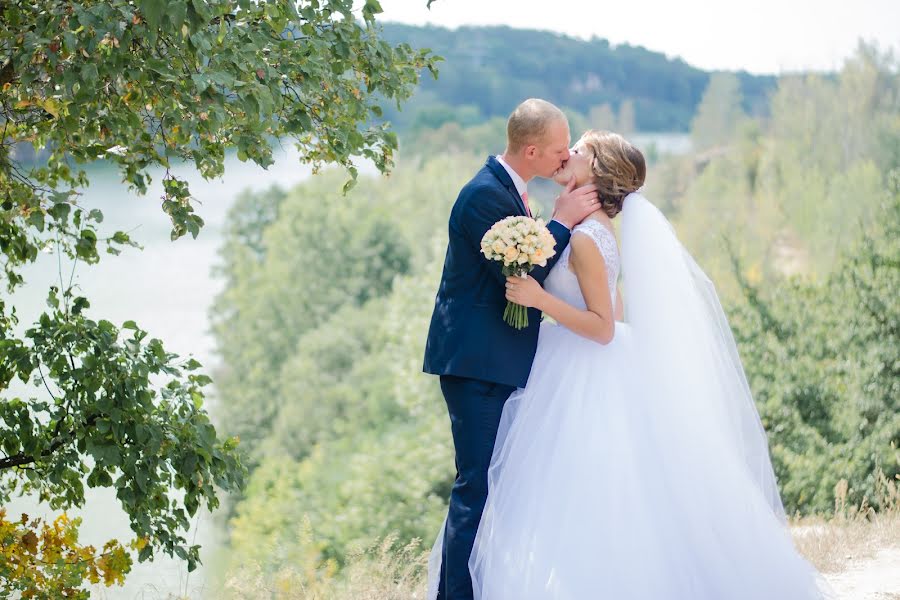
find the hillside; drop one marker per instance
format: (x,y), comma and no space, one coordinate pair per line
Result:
(489,69)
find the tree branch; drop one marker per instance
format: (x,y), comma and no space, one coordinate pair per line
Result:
(7,72)
(17,460)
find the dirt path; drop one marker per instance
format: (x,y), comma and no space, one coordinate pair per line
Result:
(872,578)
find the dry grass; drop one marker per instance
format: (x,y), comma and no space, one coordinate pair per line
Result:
(378,573)
(853,533)
(385,573)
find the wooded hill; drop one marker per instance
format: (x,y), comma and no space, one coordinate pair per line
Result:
(488,70)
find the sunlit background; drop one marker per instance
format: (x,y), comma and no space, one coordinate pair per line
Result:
(764,37)
(756,163)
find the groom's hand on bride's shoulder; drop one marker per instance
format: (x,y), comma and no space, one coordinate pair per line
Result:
(574,204)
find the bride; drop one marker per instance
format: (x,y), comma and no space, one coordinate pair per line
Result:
(633,465)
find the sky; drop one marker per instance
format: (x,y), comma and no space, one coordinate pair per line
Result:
(761,36)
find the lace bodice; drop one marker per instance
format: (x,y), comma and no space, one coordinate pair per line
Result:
(562,282)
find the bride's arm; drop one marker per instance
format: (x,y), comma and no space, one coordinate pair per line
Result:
(597,323)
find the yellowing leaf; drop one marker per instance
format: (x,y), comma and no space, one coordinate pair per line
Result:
(51,106)
(30,542)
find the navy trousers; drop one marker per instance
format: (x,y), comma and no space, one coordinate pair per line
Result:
(475,407)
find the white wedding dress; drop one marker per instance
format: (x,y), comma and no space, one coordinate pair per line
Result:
(636,470)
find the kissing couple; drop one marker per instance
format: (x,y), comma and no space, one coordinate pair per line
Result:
(613,450)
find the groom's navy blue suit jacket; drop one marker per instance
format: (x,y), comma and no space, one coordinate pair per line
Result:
(468,336)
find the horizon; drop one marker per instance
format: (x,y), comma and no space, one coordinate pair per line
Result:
(598,38)
(799,36)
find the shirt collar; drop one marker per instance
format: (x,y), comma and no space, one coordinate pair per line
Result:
(520,184)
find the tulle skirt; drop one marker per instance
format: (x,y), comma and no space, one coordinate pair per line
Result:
(600,487)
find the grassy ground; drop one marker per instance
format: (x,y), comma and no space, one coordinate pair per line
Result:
(857,550)
(854,533)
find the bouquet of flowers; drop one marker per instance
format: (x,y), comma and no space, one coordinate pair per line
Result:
(520,244)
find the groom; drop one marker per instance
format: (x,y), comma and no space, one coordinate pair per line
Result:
(480,359)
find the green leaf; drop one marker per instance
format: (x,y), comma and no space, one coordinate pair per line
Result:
(60,211)
(145,553)
(36,220)
(89,74)
(79,305)
(153,11)
(121,93)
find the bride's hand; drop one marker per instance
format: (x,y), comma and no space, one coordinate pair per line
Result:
(524,291)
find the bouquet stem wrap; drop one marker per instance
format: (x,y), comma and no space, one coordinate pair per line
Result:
(520,244)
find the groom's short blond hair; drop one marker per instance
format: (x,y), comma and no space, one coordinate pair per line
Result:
(529,122)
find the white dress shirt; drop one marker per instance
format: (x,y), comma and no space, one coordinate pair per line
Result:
(521,185)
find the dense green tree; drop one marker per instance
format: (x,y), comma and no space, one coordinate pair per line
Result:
(320,252)
(359,445)
(357,430)
(360,448)
(381,461)
(302,263)
(823,359)
(804,200)
(145,84)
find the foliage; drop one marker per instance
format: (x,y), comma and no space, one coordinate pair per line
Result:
(45,561)
(855,530)
(357,447)
(790,191)
(453,138)
(803,202)
(319,252)
(103,420)
(148,83)
(350,404)
(719,114)
(143,85)
(368,473)
(297,266)
(823,359)
(382,572)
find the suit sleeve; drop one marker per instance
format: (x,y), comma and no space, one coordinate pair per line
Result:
(561,234)
(488,207)
(482,211)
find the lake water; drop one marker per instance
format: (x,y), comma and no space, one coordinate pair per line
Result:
(167,289)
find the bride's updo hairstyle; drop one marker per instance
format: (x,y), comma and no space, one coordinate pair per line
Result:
(618,167)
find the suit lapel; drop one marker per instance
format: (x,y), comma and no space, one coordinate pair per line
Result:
(500,173)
